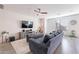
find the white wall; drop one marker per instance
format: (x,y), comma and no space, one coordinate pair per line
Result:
(65,21)
(50,25)
(10,21)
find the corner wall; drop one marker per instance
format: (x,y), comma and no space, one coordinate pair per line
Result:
(10,21)
(65,21)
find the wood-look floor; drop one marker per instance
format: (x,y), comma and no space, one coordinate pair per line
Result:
(68,46)
(6,48)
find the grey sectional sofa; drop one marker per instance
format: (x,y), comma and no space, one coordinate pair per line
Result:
(34,35)
(37,46)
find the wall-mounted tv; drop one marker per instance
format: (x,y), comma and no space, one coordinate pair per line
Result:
(27,24)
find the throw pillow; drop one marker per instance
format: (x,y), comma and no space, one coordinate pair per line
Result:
(46,38)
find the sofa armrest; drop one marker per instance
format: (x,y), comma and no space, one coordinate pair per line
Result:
(36,46)
(39,42)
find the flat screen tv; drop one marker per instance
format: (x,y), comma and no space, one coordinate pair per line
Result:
(27,24)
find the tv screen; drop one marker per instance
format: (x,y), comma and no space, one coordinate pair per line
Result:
(27,24)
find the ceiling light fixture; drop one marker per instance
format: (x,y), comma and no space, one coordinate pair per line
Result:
(38,10)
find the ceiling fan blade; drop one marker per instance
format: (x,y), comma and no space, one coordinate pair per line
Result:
(39,10)
(36,11)
(43,12)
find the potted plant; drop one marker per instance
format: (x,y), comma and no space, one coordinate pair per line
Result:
(72,34)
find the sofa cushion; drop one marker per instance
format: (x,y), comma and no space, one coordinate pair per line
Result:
(59,31)
(38,40)
(51,35)
(46,38)
(35,35)
(56,33)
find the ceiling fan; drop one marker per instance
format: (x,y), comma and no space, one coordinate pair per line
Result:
(38,10)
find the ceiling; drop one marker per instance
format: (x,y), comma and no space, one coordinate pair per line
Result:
(52,9)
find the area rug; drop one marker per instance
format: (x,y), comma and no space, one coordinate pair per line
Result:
(20,46)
